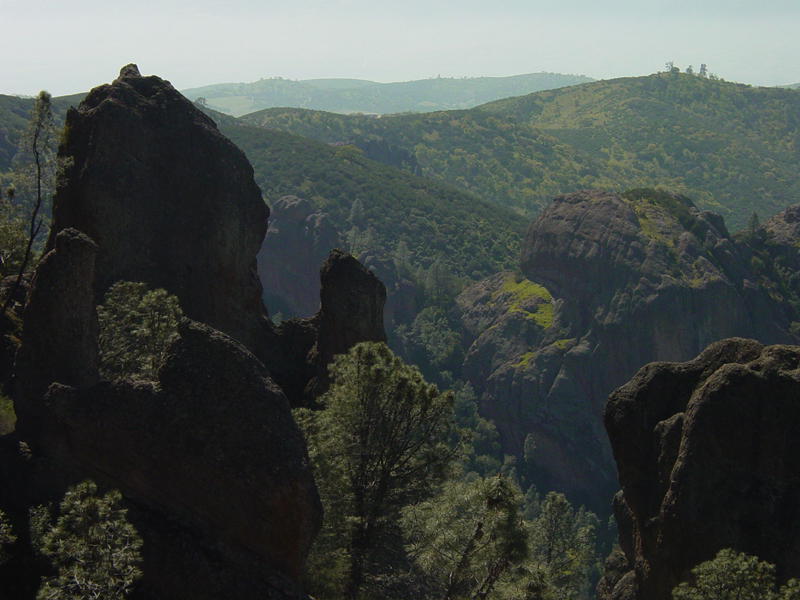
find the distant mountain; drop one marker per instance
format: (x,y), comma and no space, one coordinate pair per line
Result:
(732,148)
(355,95)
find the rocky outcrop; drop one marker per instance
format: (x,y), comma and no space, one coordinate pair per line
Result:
(171,202)
(611,282)
(706,453)
(210,448)
(167,198)
(351,311)
(210,462)
(212,444)
(59,328)
(298,241)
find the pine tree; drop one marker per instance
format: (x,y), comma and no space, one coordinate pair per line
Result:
(93,547)
(383,440)
(732,576)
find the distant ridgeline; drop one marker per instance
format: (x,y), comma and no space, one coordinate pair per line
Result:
(732,148)
(359,96)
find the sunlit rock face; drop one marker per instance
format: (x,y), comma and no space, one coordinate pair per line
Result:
(611,282)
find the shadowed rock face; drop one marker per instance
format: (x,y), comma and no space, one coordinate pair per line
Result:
(351,311)
(298,241)
(168,199)
(613,282)
(209,455)
(707,459)
(59,327)
(214,444)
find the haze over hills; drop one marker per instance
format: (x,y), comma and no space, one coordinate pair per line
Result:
(356,95)
(732,148)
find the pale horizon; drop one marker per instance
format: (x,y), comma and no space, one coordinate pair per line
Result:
(79,45)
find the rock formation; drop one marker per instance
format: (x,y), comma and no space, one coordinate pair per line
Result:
(211,446)
(613,282)
(351,301)
(351,311)
(209,460)
(298,241)
(168,199)
(707,459)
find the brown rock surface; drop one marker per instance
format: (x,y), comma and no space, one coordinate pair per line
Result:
(613,282)
(707,459)
(298,241)
(167,198)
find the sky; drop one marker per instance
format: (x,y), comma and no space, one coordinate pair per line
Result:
(70,46)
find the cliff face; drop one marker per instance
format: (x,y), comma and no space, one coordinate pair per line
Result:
(298,240)
(612,282)
(148,177)
(706,453)
(208,458)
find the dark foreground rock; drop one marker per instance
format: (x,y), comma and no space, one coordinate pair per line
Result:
(611,282)
(209,460)
(168,199)
(210,448)
(707,459)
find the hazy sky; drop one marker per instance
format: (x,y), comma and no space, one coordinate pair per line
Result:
(69,46)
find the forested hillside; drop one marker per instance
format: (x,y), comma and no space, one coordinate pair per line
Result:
(393,207)
(732,148)
(356,95)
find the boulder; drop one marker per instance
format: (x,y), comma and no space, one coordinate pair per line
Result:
(212,444)
(706,454)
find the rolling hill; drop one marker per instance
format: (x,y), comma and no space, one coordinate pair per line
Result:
(731,148)
(359,96)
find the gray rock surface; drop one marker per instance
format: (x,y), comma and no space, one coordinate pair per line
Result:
(298,241)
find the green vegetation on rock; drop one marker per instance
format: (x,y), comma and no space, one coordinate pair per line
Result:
(7,415)
(515,293)
(135,326)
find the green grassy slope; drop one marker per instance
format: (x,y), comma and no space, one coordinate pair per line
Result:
(354,95)
(732,148)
